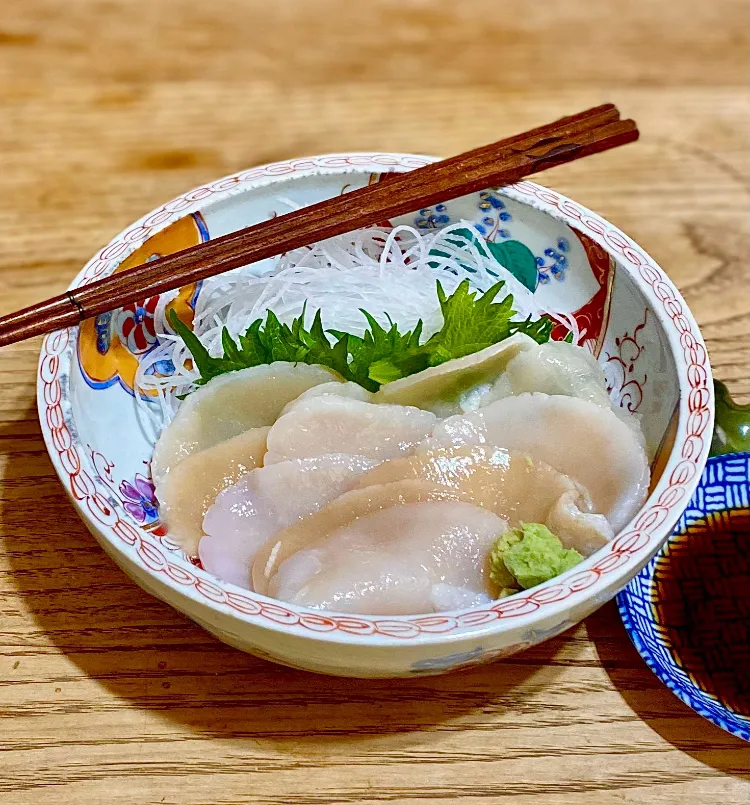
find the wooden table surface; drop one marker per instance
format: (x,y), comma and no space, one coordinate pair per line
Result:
(110,107)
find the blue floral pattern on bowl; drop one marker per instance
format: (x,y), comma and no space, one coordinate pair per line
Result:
(554,263)
(480,655)
(724,489)
(492,221)
(448,662)
(432,217)
(493,217)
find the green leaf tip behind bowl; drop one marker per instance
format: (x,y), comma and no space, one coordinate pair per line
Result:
(732,425)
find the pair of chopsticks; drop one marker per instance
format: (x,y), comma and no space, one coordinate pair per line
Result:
(500,163)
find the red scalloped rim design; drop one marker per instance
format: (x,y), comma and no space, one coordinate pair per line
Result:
(159,561)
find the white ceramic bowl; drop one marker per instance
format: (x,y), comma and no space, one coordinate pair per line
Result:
(637,324)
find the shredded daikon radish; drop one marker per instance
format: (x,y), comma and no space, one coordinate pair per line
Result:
(389,273)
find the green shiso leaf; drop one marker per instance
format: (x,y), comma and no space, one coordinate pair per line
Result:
(471,321)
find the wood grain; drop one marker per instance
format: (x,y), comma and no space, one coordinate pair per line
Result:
(109,108)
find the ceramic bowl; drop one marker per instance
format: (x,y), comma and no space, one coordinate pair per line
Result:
(636,323)
(687,610)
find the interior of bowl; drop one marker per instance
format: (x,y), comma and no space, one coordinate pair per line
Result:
(88,406)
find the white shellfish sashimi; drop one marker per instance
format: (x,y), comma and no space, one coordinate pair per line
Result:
(553,368)
(511,484)
(590,444)
(331,423)
(191,486)
(338,513)
(559,368)
(401,560)
(249,513)
(231,404)
(348,389)
(459,384)
(584,531)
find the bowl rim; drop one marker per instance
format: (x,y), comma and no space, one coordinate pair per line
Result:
(598,577)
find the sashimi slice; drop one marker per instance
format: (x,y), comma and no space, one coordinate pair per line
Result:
(511,484)
(582,440)
(338,513)
(248,514)
(231,404)
(553,368)
(349,390)
(186,492)
(331,423)
(401,560)
(459,384)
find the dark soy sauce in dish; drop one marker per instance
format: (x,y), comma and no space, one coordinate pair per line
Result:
(702,601)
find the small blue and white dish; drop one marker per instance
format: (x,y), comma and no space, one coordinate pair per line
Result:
(688,611)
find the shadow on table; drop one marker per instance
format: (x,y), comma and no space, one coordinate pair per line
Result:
(152,657)
(654,704)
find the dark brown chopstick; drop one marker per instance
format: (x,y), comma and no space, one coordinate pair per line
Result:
(500,163)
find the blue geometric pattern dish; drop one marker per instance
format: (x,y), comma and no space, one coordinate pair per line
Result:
(688,611)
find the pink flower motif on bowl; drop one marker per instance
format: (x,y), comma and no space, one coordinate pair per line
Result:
(139,499)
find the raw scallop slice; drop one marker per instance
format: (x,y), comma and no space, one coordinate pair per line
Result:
(553,368)
(344,509)
(402,560)
(230,404)
(590,444)
(456,385)
(349,390)
(333,424)
(514,486)
(266,500)
(584,531)
(559,368)
(186,492)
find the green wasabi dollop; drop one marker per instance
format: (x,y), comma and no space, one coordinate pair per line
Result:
(527,556)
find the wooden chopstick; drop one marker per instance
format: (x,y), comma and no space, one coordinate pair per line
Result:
(500,163)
